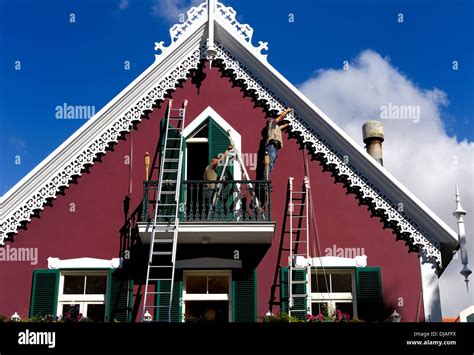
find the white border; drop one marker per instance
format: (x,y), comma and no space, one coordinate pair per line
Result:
(84,263)
(431,295)
(210,112)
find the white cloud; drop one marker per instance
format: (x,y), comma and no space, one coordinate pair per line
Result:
(123,5)
(170,10)
(421,155)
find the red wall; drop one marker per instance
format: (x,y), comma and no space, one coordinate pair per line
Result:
(93,229)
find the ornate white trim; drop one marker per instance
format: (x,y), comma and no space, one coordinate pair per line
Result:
(84,263)
(36,197)
(332,261)
(355,182)
(90,152)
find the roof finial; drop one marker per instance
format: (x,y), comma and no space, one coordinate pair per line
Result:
(211,51)
(459,213)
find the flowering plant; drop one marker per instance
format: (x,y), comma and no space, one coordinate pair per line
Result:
(338,316)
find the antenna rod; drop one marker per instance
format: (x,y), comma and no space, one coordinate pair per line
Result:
(459,213)
(211,51)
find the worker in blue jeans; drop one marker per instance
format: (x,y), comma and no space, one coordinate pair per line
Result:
(274,141)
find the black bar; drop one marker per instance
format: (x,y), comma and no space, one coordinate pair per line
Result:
(309,338)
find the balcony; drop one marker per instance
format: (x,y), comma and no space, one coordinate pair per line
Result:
(233,211)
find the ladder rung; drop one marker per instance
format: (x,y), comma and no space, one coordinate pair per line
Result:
(299,204)
(298,296)
(299,216)
(171,160)
(299,282)
(165,215)
(168,192)
(170,170)
(160,266)
(174,139)
(163,240)
(166,204)
(299,229)
(172,148)
(299,192)
(162,253)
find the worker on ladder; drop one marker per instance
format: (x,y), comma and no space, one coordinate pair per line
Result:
(210,174)
(273,141)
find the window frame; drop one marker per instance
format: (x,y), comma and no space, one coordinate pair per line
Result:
(83,300)
(207,296)
(331,298)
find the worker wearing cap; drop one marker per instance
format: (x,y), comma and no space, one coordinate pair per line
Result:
(274,140)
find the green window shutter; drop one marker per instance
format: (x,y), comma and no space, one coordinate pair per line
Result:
(119,294)
(299,289)
(218,142)
(369,294)
(161,313)
(244,299)
(300,302)
(44,293)
(284,290)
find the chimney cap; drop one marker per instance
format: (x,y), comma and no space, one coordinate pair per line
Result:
(372,130)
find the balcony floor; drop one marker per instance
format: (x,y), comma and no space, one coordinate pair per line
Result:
(213,232)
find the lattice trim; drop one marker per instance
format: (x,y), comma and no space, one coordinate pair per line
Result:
(368,194)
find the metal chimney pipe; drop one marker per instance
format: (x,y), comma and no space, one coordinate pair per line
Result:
(372,133)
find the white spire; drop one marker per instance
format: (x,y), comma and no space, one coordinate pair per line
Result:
(211,12)
(459,213)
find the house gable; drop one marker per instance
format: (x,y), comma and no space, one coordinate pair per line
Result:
(419,227)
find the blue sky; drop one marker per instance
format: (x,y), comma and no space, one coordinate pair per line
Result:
(82,63)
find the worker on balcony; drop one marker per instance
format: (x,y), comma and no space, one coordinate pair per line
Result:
(272,140)
(210,174)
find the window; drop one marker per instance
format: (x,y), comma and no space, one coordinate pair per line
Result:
(84,293)
(332,290)
(207,296)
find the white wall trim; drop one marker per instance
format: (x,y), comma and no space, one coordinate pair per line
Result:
(373,185)
(431,295)
(201,118)
(84,263)
(332,261)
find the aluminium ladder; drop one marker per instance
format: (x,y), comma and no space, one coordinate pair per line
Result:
(299,265)
(234,155)
(162,255)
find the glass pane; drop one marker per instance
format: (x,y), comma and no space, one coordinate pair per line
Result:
(96,312)
(345,307)
(196,284)
(96,284)
(319,283)
(319,308)
(207,311)
(218,284)
(73,284)
(71,312)
(341,283)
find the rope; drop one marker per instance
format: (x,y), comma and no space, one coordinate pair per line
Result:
(314,230)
